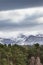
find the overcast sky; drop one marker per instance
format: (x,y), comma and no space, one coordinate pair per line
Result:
(21,16)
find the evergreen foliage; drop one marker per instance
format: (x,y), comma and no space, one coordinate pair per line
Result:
(19,55)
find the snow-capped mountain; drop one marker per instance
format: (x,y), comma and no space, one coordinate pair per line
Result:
(23,39)
(6,41)
(20,39)
(34,39)
(39,35)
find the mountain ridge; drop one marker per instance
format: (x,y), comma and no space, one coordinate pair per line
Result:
(23,39)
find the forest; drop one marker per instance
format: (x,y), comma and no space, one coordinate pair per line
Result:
(19,55)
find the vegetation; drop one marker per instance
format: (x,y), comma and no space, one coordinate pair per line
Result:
(19,55)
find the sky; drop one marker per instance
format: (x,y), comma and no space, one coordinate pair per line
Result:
(21,16)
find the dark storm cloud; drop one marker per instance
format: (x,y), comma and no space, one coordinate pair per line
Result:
(15,4)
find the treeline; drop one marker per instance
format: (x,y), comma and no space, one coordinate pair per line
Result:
(19,55)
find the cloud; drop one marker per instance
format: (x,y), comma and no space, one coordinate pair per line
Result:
(28,19)
(40,20)
(13,34)
(21,14)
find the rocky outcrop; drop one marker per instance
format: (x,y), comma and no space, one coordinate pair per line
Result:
(38,61)
(34,61)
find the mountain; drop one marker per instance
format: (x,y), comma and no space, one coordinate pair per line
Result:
(23,39)
(20,40)
(39,35)
(6,41)
(34,39)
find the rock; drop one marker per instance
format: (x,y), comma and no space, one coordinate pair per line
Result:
(38,61)
(32,60)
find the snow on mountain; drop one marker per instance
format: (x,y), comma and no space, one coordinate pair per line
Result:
(34,39)
(6,41)
(23,39)
(39,35)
